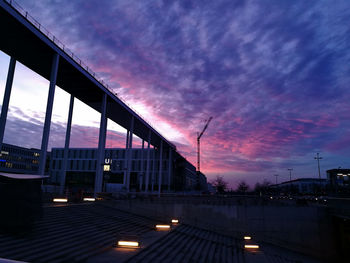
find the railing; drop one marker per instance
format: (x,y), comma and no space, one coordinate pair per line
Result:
(66,50)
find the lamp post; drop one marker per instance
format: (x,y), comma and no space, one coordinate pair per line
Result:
(276,175)
(290,173)
(290,179)
(318,158)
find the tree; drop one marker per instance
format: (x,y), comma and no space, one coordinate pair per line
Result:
(242,187)
(262,187)
(220,184)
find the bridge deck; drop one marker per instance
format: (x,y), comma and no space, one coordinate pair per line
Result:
(23,40)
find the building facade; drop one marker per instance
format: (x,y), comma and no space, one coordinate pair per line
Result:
(302,185)
(178,175)
(82,164)
(339,177)
(15,159)
(339,180)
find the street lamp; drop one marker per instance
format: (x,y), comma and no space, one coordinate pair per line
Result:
(318,158)
(276,175)
(290,173)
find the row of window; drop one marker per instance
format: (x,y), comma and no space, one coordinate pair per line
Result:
(19,166)
(115,165)
(14,158)
(7,150)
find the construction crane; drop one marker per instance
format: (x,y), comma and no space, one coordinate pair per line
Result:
(199,135)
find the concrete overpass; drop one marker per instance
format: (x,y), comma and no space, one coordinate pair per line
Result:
(27,41)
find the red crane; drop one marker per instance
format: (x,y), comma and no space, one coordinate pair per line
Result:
(199,135)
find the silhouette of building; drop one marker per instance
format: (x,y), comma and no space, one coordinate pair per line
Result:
(302,185)
(339,181)
(339,177)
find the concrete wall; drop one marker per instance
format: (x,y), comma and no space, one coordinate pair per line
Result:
(308,230)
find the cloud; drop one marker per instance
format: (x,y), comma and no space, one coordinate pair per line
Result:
(273,74)
(25,130)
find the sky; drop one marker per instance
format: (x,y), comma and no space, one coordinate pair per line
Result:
(273,74)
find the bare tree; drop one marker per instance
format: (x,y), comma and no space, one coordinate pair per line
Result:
(262,187)
(220,184)
(242,187)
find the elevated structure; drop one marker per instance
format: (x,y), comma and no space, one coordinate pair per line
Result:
(27,41)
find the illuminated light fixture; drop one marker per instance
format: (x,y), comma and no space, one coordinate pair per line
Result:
(271,197)
(60,200)
(162,227)
(106,167)
(251,246)
(89,199)
(128,244)
(174,221)
(247,237)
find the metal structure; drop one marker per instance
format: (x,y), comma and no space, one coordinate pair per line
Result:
(318,158)
(199,135)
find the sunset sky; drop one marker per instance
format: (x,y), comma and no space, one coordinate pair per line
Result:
(273,74)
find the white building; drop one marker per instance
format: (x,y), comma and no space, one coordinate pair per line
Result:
(82,162)
(177,175)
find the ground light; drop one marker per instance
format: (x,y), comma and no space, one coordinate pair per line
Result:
(60,200)
(128,244)
(162,227)
(251,246)
(89,199)
(174,221)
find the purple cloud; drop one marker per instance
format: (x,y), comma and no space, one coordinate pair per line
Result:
(273,74)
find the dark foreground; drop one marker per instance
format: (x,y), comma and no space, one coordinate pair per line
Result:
(87,233)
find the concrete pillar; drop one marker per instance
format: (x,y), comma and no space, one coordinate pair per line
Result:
(170,167)
(6,100)
(141,168)
(160,168)
(147,163)
(130,154)
(153,168)
(126,157)
(101,147)
(66,145)
(47,124)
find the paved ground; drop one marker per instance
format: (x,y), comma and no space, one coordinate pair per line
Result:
(72,233)
(87,233)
